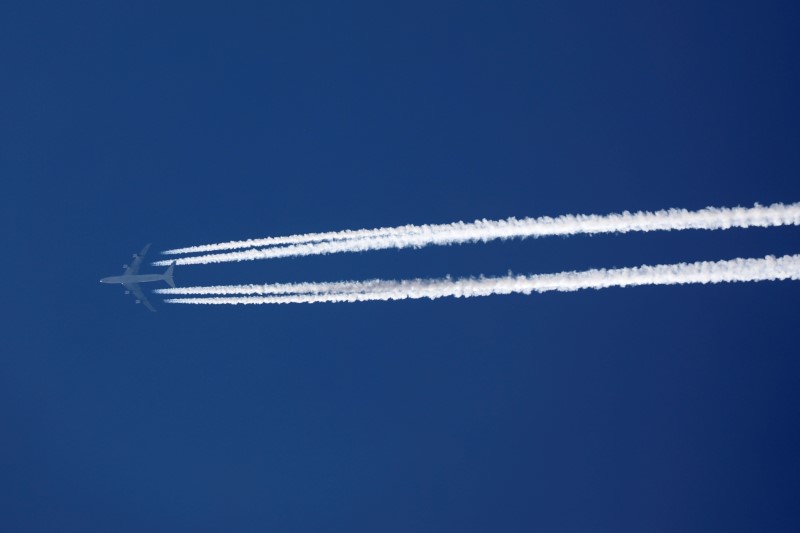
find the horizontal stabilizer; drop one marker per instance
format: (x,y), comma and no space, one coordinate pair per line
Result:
(168,275)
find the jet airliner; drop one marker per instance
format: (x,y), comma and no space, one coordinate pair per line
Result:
(130,278)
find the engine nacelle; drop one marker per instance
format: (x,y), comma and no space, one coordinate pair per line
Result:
(138,301)
(127,292)
(124,266)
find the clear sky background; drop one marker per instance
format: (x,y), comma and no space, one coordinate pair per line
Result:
(641,409)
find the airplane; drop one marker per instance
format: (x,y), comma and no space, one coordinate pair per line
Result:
(130,279)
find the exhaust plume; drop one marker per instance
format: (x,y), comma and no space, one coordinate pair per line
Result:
(485,230)
(735,270)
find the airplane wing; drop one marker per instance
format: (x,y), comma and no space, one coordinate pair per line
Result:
(139,295)
(137,261)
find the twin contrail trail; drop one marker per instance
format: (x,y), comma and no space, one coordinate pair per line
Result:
(412,236)
(768,268)
(285,288)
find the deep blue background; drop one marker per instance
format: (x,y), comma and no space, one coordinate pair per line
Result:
(642,409)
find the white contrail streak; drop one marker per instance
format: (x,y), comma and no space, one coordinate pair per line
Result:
(412,229)
(486,230)
(301,239)
(283,288)
(768,268)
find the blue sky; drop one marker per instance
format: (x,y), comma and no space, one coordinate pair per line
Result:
(654,408)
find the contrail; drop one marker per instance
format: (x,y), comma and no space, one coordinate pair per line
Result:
(768,268)
(486,230)
(302,238)
(284,288)
(587,220)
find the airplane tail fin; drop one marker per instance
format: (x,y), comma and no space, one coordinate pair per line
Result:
(168,275)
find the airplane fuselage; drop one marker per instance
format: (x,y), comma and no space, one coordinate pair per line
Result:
(131,279)
(136,278)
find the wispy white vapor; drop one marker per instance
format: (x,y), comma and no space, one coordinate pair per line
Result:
(300,239)
(768,268)
(283,288)
(486,230)
(588,221)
